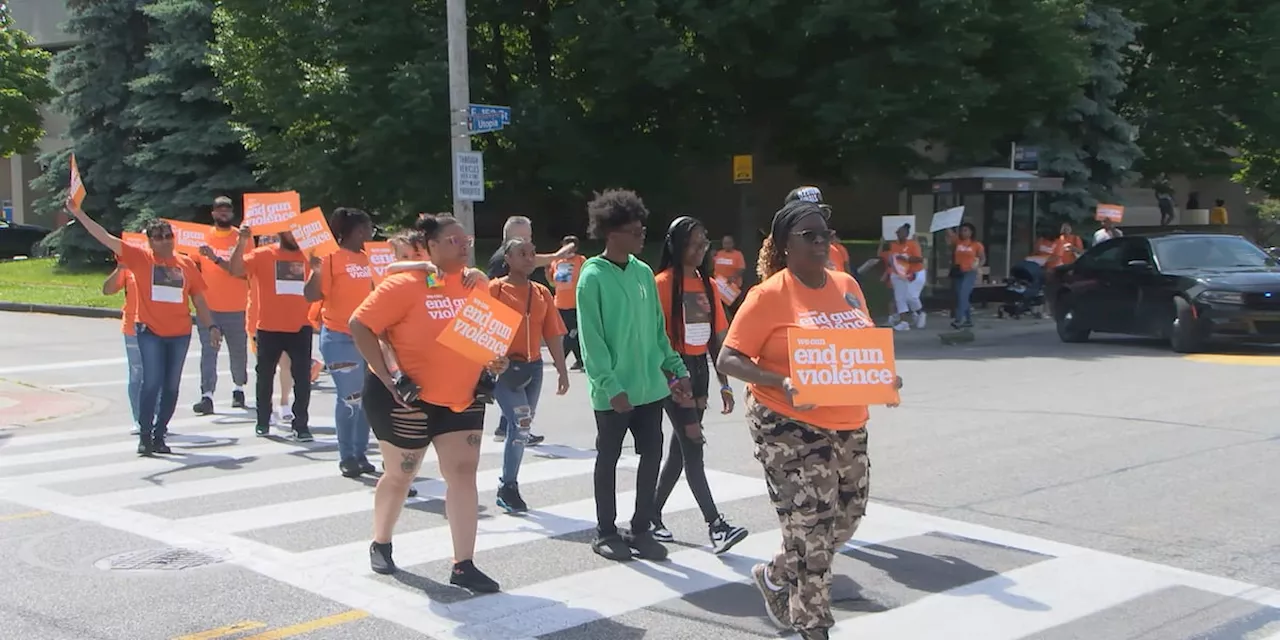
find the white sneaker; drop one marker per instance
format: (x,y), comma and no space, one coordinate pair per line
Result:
(902,326)
(921,318)
(134,430)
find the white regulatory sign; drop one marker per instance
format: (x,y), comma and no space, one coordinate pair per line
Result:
(468,175)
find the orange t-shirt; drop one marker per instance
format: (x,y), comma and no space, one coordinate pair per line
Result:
(897,255)
(1061,253)
(226,293)
(410,315)
(564,273)
(164,286)
(759,331)
(543,320)
(129,313)
(966,254)
(729,265)
(702,314)
(345,281)
(278,277)
(838,255)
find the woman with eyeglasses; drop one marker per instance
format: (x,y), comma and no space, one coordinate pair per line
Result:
(814,458)
(696,325)
(430,401)
(165,282)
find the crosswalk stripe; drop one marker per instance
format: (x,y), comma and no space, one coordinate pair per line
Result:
(1032,599)
(622,588)
(188,489)
(275,515)
(428,545)
(23,439)
(10,459)
(144,466)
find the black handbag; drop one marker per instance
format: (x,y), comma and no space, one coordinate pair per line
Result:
(520,373)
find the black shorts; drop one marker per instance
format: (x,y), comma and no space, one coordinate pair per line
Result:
(700,381)
(415,427)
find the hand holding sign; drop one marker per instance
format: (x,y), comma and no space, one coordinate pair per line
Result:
(482,330)
(841,367)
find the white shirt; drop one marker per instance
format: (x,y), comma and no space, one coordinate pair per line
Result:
(1100,236)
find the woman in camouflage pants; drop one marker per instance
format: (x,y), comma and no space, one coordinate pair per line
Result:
(815,458)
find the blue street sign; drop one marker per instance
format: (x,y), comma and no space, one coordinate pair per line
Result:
(486,118)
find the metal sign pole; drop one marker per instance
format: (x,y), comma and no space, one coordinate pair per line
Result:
(459,99)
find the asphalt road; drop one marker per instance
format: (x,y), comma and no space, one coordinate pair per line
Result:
(1025,489)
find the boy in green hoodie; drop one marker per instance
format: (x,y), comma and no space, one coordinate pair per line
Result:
(631,368)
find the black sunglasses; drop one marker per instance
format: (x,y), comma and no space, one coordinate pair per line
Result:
(815,237)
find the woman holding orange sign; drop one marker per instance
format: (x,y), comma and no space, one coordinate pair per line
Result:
(814,458)
(430,401)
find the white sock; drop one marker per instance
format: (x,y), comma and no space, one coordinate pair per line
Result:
(207,396)
(240,388)
(769,583)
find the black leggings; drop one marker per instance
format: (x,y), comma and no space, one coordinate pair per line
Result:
(645,424)
(685,454)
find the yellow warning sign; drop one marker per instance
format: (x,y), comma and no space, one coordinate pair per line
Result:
(743,171)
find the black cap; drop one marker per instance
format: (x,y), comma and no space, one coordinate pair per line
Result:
(808,194)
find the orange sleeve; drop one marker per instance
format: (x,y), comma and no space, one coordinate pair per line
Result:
(552,324)
(662,282)
(751,326)
(133,258)
(387,305)
(720,322)
(195,280)
(253,261)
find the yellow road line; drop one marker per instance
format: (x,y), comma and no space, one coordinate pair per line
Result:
(311,625)
(222,632)
(23,516)
(1256,361)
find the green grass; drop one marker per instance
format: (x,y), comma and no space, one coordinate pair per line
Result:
(43,282)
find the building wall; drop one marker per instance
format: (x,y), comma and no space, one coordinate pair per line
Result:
(42,19)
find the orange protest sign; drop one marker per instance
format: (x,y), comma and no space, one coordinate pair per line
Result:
(381,255)
(188,237)
(134,239)
(270,213)
(843,367)
(482,329)
(1112,212)
(76,191)
(311,232)
(727,291)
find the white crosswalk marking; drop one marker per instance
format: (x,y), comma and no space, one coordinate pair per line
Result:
(211,497)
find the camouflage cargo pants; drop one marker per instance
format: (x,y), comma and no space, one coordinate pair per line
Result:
(818,480)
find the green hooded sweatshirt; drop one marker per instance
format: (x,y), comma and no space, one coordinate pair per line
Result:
(623,334)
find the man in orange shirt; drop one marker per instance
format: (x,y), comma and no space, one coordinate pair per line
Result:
(564,275)
(227,296)
(279,275)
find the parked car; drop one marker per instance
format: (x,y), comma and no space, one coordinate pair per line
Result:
(1188,288)
(20,239)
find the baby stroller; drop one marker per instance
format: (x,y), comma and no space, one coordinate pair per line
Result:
(1024,291)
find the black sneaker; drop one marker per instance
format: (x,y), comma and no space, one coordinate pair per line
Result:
(204,407)
(466,575)
(303,434)
(237,400)
(366,466)
(577,366)
(724,535)
(612,547)
(158,445)
(144,445)
(501,436)
(645,546)
(413,491)
(350,468)
(262,430)
(535,440)
(380,559)
(509,498)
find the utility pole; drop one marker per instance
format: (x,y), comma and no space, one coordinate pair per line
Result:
(459,100)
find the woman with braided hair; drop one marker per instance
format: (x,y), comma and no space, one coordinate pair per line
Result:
(814,458)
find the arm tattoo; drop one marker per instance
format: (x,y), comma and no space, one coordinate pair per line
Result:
(474,440)
(409,462)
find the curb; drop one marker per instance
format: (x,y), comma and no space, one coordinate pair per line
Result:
(60,310)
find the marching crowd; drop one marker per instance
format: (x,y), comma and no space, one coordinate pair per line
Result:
(650,345)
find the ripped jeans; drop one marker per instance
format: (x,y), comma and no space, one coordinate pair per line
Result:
(346,367)
(518,406)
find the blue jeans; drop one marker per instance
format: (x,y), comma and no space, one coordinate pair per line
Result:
(134,357)
(964,289)
(518,407)
(162,360)
(346,367)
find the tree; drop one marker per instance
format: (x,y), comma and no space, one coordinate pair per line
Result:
(24,87)
(189,153)
(1089,143)
(93,78)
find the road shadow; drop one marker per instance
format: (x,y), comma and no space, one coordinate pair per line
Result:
(928,573)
